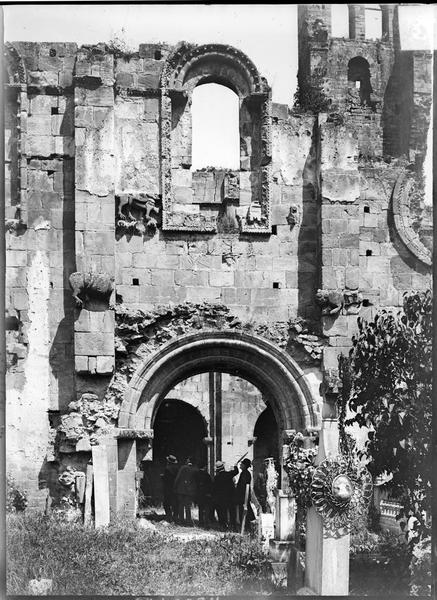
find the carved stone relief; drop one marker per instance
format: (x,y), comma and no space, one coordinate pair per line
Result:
(136,213)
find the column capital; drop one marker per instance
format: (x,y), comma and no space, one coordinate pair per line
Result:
(139,434)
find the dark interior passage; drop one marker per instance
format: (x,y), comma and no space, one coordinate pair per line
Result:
(267,441)
(179,429)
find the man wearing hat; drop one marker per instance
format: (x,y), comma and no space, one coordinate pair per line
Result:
(186,490)
(244,480)
(168,479)
(223,492)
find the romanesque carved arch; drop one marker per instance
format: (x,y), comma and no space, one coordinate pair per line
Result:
(403,219)
(259,361)
(216,62)
(187,67)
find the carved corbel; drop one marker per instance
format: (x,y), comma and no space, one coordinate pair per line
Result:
(294,216)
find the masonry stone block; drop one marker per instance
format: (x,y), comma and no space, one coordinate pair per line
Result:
(105,365)
(221,278)
(162,277)
(94,344)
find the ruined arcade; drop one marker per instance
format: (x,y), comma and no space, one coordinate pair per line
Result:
(153,308)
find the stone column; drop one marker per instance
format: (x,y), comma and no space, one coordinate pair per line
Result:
(208,441)
(127,469)
(387,21)
(326,558)
(357,26)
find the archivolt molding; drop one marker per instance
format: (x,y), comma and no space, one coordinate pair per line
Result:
(14,66)
(185,56)
(185,68)
(270,369)
(403,219)
(16,95)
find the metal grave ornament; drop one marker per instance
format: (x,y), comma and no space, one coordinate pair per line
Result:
(340,492)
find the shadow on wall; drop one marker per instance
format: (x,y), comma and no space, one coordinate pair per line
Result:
(309,235)
(397,106)
(61,354)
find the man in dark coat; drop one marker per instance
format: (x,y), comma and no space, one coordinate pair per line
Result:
(244,480)
(204,495)
(168,479)
(260,487)
(186,490)
(223,493)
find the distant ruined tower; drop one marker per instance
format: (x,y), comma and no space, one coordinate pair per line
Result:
(383,92)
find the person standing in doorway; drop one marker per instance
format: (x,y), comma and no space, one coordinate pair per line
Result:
(204,496)
(223,494)
(260,487)
(168,479)
(186,489)
(244,480)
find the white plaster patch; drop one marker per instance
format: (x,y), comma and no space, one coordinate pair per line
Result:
(314,379)
(29,408)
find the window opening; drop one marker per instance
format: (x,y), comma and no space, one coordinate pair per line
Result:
(359,81)
(373,22)
(215,128)
(340,20)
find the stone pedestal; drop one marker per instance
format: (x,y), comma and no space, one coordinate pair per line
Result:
(280,550)
(296,569)
(285,516)
(266,529)
(326,558)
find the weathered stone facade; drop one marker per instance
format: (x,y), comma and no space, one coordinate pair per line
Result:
(128,272)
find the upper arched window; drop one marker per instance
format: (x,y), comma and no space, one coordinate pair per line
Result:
(340,20)
(230,132)
(358,76)
(373,21)
(215,127)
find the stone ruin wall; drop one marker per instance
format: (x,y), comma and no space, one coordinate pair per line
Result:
(85,131)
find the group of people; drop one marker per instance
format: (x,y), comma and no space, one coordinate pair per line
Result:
(215,497)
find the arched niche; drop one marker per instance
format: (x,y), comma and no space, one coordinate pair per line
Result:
(358,75)
(190,66)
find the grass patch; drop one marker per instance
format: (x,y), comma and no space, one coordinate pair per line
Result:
(125,559)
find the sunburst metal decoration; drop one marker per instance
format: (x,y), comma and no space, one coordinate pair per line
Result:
(340,492)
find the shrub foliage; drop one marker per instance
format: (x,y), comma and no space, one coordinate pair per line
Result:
(388,389)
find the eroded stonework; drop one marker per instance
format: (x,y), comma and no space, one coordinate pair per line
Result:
(117,249)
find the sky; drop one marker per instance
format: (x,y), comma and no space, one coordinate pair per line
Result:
(266,33)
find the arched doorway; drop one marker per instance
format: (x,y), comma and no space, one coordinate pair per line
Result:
(272,371)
